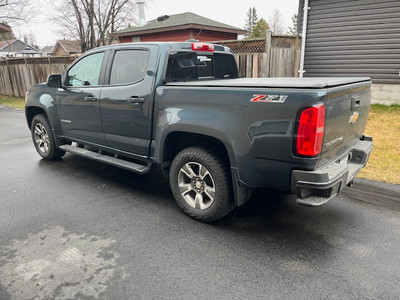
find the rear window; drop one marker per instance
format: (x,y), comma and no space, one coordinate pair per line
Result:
(187,66)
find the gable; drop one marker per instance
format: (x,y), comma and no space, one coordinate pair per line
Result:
(64,47)
(12,46)
(58,50)
(70,46)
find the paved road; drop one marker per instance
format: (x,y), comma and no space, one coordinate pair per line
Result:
(77,229)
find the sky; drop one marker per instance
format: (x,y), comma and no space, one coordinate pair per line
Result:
(225,11)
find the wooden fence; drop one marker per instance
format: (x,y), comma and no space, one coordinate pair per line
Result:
(18,74)
(275,56)
(279,63)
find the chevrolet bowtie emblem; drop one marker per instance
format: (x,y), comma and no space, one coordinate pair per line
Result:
(354,117)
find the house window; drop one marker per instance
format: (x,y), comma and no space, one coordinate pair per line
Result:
(136,39)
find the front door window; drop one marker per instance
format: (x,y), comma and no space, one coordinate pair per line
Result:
(86,72)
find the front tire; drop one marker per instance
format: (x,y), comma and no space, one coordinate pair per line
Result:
(201,184)
(43,139)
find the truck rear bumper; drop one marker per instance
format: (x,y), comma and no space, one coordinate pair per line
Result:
(317,187)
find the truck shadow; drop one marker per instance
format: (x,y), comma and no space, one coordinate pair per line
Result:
(271,220)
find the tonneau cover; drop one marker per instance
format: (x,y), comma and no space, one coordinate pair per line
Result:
(281,82)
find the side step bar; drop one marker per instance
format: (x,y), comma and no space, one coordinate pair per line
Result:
(113,161)
(314,200)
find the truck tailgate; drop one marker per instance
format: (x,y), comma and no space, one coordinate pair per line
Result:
(346,111)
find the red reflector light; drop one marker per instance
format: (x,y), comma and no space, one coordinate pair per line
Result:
(202,47)
(311,131)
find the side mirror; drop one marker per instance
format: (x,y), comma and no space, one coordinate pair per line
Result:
(54,80)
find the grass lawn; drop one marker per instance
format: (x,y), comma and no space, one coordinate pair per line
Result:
(383,125)
(12,102)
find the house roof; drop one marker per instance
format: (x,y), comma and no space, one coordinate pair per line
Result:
(18,46)
(186,20)
(69,46)
(6,43)
(47,49)
(29,50)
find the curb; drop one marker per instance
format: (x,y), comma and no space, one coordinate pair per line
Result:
(379,193)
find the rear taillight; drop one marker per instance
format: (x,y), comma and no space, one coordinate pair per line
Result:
(310,133)
(202,47)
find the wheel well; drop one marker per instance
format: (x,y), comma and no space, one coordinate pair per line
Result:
(31,112)
(177,141)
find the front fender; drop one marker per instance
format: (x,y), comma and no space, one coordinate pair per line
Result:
(41,101)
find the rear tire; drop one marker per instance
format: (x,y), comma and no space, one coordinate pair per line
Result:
(43,139)
(201,184)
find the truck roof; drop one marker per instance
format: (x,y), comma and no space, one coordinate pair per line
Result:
(187,46)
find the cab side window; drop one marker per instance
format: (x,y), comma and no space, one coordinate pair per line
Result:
(86,72)
(129,66)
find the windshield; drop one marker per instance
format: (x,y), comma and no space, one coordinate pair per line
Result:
(186,66)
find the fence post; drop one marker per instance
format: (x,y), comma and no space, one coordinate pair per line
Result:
(10,78)
(48,59)
(268,42)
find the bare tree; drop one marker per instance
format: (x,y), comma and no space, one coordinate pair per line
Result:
(276,22)
(91,21)
(15,11)
(80,23)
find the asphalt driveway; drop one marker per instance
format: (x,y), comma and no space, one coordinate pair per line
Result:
(78,229)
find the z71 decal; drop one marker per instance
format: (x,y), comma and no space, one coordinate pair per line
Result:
(269,98)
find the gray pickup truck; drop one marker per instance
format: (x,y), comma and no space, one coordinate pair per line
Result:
(183,107)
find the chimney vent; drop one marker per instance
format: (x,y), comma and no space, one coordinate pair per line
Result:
(142,18)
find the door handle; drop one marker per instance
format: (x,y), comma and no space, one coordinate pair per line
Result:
(135,100)
(90,98)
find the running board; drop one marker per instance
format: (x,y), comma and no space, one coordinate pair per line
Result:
(314,200)
(113,161)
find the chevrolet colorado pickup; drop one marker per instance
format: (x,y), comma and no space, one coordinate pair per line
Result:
(182,107)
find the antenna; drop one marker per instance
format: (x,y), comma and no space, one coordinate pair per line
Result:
(199,32)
